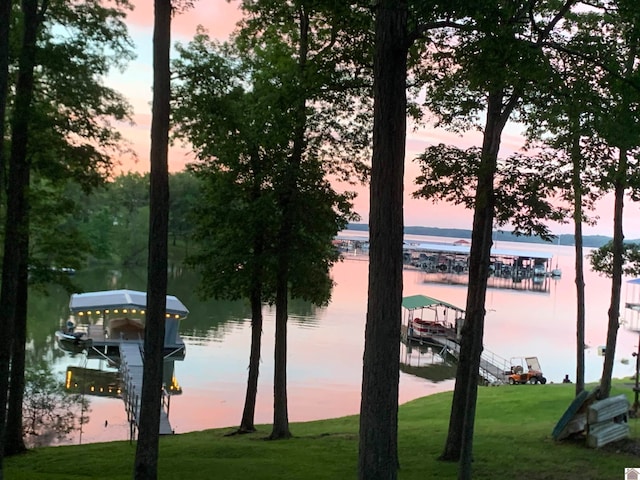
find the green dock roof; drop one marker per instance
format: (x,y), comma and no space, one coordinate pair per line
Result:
(415,302)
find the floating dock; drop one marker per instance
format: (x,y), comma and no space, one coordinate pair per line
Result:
(131,369)
(515,268)
(110,325)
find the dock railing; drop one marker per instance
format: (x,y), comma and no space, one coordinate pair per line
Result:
(493,367)
(131,396)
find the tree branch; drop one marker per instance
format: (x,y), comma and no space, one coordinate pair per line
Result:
(559,16)
(420,30)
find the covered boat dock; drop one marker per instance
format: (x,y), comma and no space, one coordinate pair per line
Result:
(429,321)
(511,267)
(112,316)
(113,322)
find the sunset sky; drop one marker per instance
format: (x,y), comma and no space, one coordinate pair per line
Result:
(219,18)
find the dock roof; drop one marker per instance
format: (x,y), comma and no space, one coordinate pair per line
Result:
(119,299)
(466,250)
(460,247)
(422,301)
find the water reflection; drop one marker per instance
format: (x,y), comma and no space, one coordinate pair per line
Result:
(326,344)
(428,361)
(96,381)
(91,381)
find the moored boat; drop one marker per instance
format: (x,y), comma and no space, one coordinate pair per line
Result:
(73,342)
(428,317)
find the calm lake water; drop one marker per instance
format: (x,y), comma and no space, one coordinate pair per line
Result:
(326,345)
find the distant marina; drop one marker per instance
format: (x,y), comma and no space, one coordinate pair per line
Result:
(448,262)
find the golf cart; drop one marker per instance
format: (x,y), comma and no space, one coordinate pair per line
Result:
(525,370)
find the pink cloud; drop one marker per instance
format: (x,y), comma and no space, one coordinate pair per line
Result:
(218,17)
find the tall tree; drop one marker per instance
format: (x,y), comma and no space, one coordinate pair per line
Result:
(77,135)
(562,119)
(146,461)
(234,217)
(297,56)
(16,227)
(620,131)
(498,55)
(378,449)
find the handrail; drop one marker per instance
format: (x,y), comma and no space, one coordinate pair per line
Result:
(500,363)
(132,398)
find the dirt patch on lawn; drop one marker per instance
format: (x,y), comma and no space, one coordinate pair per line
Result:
(630,446)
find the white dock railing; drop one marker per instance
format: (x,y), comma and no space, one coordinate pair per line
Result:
(131,372)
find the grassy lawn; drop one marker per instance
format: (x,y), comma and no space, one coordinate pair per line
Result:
(512,440)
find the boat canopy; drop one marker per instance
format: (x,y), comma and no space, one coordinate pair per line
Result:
(415,302)
(633,305)
(114,300)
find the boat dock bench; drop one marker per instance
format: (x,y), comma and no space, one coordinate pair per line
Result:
(131,369)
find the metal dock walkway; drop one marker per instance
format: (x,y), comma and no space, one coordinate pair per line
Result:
(492,366)
(131,369)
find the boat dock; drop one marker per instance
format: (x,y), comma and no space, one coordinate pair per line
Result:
(435,322)
(493,368)
(131,369)
(516,267)
(110,325)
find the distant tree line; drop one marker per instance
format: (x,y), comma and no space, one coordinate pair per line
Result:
(113,220)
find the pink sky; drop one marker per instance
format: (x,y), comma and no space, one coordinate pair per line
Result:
(219,18)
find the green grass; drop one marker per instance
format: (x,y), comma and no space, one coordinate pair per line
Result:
(512,440)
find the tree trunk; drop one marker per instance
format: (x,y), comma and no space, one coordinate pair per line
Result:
(146,462)
(378,448)
(616,277)
(459,442)
(247,424)
(248,414)
(576,159)
(479,261)
(5,24)
(14,443)
(289,214)
(16,221)
(280,406)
